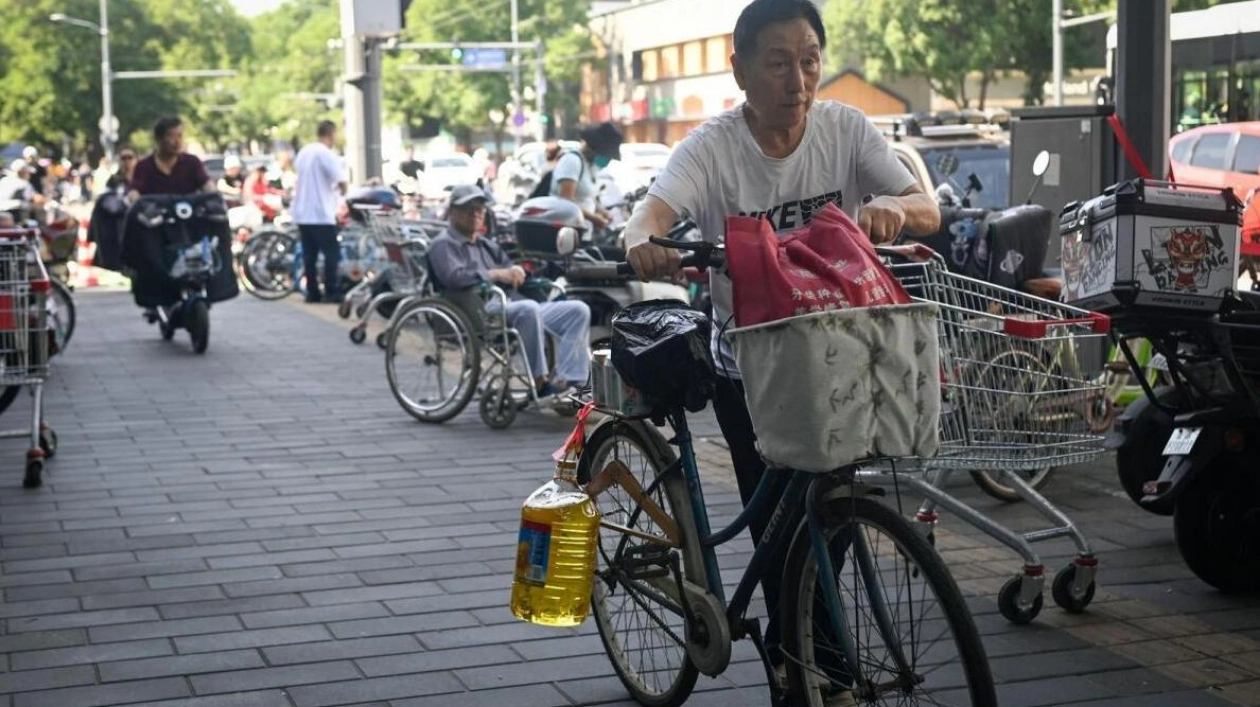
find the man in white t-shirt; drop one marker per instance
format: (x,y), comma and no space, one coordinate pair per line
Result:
(781,156)
(320,184)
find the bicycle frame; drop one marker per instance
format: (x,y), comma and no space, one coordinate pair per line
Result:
(789,498)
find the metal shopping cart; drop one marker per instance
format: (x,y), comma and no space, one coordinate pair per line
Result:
(405,276)
(25,338)
(1015,400)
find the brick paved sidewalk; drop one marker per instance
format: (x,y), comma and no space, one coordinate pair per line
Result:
(263,526)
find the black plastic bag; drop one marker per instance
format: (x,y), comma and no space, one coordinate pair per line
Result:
(661,347)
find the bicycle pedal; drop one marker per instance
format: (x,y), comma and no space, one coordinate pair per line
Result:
(647,561)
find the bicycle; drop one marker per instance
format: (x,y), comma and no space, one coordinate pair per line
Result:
(657,550)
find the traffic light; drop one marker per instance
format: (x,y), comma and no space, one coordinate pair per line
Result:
(457,54)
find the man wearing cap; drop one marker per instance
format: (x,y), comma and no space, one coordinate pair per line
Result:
(38,173)
(462,261)
(230,183)
(575,175)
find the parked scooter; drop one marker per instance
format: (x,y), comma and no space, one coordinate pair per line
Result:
(1192,449)
(554,239)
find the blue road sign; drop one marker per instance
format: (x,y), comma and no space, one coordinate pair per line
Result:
(485,58)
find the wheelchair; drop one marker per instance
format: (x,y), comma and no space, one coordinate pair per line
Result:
(443,348)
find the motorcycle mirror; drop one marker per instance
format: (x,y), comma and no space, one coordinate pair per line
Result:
(974,183)
(947,165)
(1041,163)
(566,241)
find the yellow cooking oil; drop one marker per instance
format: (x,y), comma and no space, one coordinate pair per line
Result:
(555,553)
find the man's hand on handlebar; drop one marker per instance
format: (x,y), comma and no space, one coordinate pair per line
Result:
(652,261)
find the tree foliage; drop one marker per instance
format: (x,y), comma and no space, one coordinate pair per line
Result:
(464,100)
(946,40)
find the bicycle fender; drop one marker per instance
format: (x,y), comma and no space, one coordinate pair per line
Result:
(1180,470)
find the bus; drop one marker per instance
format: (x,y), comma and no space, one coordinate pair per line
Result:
(1215,64)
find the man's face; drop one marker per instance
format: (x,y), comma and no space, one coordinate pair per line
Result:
(781,78)
(127,160)
(173,142)
(467,219)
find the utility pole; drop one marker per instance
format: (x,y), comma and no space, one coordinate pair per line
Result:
(109,131)
(516,73)
(540,90)
(1061,23)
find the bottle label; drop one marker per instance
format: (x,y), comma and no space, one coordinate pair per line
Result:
(532,549)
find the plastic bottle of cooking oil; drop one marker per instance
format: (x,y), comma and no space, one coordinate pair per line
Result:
(555,552)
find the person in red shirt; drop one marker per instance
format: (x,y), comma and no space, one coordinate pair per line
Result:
(169,170)
(256,190)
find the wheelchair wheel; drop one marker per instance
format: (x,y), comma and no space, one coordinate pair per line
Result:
(497,407)
(432,360)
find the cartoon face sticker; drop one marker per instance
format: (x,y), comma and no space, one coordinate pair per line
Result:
(1186,251)
(964,232)
(1073,256)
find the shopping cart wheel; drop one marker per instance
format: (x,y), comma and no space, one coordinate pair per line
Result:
(1011,607)
(1073,602)
(34,474)
(382,341)
(343,309)
(358,335)
(48,442)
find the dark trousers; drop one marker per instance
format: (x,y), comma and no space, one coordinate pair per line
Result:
(318,239)
(732,417)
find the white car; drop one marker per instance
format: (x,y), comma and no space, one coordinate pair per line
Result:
(640,163)
(441,172)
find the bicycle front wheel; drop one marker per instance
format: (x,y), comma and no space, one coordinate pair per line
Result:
(640,621)
(880,562)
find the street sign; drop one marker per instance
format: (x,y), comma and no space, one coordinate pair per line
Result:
(485,58)
(108,125)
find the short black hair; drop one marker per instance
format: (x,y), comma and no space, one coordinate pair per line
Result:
(762,13)
(326,128)
(165,125)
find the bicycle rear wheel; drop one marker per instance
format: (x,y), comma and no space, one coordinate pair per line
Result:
(924,604)
(644,637)
(267,264)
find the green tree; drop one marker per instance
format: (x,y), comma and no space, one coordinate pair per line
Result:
(942,40)
(50,78)
(463,100)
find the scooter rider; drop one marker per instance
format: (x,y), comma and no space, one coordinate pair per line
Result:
(169,170)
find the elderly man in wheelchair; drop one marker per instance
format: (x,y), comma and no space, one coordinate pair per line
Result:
(463,263)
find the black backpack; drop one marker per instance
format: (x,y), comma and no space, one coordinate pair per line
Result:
(543,188)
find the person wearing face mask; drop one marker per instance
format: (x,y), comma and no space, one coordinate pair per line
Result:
(576,173)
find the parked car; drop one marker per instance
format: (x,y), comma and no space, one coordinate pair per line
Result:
(441,172)
(1224,155)
(981,147)
(640,163)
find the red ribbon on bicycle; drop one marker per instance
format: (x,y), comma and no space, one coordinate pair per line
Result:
(577,439)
